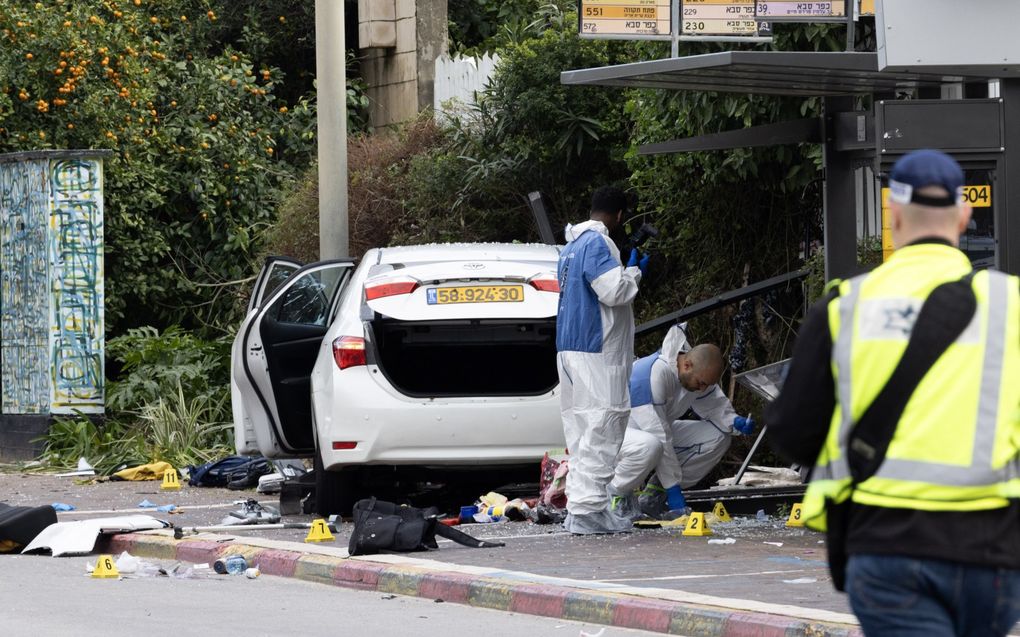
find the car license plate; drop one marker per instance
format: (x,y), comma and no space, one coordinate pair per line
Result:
(475,294)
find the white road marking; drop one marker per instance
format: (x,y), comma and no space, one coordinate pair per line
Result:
(703,576)
(510,537)
(180,507)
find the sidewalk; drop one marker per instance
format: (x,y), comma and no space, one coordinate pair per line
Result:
(652,579)
(616,604)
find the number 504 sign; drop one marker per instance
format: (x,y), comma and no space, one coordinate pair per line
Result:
(978,196)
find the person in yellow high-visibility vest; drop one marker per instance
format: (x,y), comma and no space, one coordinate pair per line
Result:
(932,536)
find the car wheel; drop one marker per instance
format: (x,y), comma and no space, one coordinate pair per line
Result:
(335,491)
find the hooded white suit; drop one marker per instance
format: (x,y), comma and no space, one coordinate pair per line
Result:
(595,345)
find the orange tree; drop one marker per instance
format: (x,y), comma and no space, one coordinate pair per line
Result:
(202,144)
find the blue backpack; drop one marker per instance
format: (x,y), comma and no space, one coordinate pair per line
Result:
(220,472)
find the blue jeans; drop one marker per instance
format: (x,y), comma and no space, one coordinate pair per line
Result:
(895,596)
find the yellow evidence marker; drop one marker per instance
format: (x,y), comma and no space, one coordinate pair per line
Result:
(170,480)
(795,516)
(319,532)
(697,526)
(720,512)
(105,568)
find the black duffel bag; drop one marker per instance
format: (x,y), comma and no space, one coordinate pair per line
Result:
(20,524)
(387,527)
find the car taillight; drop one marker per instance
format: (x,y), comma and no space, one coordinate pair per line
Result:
(349,351)
(545,285)
(392,288)
(344,444)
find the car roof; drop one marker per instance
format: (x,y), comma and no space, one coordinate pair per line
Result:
(468,251)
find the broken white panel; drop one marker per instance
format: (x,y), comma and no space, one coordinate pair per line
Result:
(79,537)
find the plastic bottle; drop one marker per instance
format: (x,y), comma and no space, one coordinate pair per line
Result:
(231,565)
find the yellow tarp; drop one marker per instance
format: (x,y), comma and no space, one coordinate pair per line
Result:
(151,471)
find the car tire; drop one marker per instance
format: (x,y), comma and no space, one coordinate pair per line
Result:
(335,491)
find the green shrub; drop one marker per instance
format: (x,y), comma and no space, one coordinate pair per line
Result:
(186,431)
(170,401)
(381,182)
(107,446)
(202,143)
(154,365)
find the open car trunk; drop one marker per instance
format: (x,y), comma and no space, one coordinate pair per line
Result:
(470,357)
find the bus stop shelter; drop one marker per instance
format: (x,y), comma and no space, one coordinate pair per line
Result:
(870,117)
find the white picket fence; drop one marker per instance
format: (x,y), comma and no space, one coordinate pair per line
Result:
(458,79)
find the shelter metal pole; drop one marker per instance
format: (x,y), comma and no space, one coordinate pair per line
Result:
(840,199)
(1006,214)
(674,31)
(850,25)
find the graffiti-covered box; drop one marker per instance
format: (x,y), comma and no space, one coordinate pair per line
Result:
(51,266)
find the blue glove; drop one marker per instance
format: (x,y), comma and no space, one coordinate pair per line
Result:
(643,264)
(743,425)
(634,256)
(675,498)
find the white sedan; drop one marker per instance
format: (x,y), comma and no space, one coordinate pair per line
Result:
(440,356)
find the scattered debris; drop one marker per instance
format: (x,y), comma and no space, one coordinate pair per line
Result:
(728,540)
(61,507)
(181,531)
(253,572)
(128,566)
(486,518)
(758,476)
(285,470)
(547,514)
(231,565)
(598,634)
(84,469)
(251,512)
(553,479)
(492,499)
(773,543)
(495,507)
(389,597)
(79,537)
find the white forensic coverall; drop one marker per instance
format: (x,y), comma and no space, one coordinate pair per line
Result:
(595,345)
(681,452)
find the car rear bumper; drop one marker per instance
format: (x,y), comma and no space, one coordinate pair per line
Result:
(389,428)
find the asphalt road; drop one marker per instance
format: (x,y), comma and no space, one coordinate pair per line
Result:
(768,562)
(45,596)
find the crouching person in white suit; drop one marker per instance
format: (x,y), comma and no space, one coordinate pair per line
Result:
(664,386)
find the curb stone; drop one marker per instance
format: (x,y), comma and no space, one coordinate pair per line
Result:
(506,594)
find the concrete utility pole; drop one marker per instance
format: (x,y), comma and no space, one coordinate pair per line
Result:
(331,80)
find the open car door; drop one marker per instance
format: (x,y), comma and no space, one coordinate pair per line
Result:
(274,353)
(274,272)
